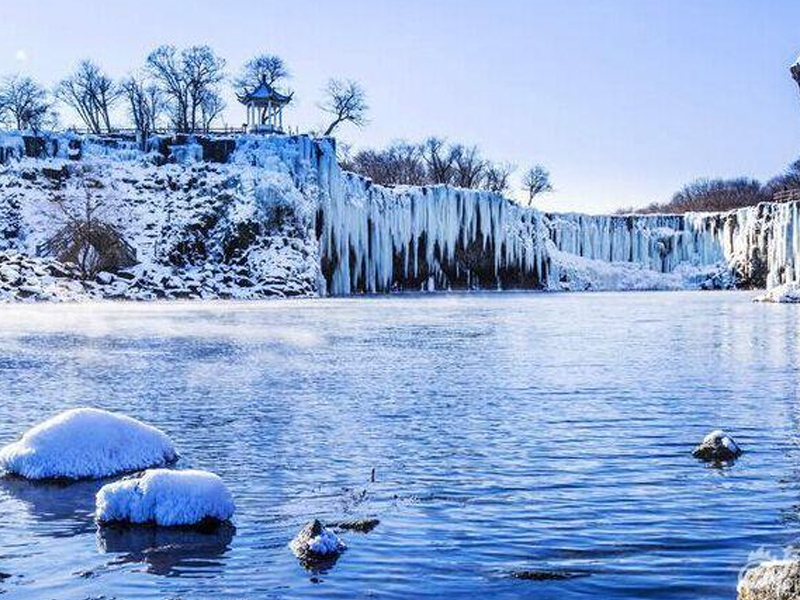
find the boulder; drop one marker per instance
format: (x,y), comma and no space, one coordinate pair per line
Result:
(86,443)
(772,580)
(717,446)
(166,498)
(315,542)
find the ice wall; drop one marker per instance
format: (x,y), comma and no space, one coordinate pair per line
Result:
(379,239)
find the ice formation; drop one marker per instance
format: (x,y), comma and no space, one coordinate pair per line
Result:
(86,443)
(258,216)
(166,498)
(377,239)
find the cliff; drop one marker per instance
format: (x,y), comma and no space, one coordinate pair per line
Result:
(259,216)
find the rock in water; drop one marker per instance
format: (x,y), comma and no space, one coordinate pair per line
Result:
(772,580)
(87,443)
(166,498)
(359,525)
(315,542)
(717,446)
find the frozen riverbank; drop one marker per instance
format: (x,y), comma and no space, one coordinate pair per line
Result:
(259,216)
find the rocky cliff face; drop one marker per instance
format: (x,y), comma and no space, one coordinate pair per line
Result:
(257,216)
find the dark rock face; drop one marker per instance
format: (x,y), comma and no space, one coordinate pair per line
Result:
(717,446)
(775,580)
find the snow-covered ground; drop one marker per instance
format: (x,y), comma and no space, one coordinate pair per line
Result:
(279,218)
(86,443)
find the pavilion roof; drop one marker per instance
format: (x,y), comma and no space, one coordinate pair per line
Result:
(263,93)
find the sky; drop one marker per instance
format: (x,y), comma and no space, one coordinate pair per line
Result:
(624,101)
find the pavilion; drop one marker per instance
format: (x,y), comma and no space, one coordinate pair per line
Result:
(265,108)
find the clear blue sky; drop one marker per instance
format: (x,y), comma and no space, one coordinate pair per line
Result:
(623,100)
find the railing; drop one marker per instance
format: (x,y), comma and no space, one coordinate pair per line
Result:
(167,131)
(787,195)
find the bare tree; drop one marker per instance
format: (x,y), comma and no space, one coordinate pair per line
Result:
(145,106)
(266,68)
(536,181)
(347,102)
(788,180)
(204,71)
(91,93)
(470,168)
(497,178)
(186,78)
(439,160)
(84,237)
(211,107)
(399,164)
(25,104)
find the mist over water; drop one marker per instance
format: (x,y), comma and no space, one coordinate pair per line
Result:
(541,433)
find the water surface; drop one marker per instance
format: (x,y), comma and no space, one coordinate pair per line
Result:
(508,432)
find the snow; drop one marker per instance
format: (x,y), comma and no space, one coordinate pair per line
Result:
(787,293)
(326,542)
(718,435)
(86,443)
(315,541)
(248,229)
(166,498)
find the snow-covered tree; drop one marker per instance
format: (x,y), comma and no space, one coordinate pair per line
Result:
(347,102)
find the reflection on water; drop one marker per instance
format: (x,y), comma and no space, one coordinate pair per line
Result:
(166,550)
(63,509)
(511,445)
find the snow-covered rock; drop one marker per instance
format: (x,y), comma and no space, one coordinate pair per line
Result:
(717,446)
(315,541)
(166,498)
(771,580)
(86,443)
(788,293)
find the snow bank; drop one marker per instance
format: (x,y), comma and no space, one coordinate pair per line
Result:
(166,498)
(570,272)
(788,293)
(86,443)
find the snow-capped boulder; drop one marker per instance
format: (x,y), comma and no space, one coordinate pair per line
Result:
(315,542)
(86,443)
(717,446)
(788,293)
(166,498)
(772,580)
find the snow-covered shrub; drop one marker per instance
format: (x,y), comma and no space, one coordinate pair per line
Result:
(87,443)
(166,498)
